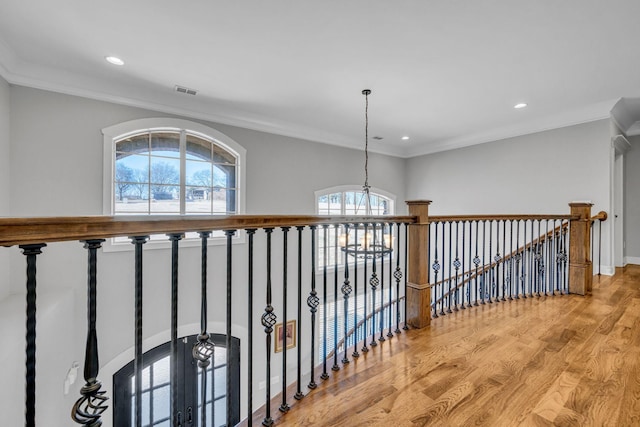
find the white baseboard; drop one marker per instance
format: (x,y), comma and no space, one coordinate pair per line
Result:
(632,260)
(605,270)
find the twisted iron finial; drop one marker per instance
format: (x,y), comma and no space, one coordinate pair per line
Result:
(89,408)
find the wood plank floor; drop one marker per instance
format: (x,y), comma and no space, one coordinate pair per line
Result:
(567,361)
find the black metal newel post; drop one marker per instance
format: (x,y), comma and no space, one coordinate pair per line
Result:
(346,290)
(203,349)
(31,252)
(229,234)
(269,319)
(251,233)
(299,395)
(313,301)
(138,241)
(284,406)
(89,408)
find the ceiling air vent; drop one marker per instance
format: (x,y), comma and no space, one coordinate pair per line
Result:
(378,138)
(188,91)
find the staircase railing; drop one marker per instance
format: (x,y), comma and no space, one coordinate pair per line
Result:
(347,292)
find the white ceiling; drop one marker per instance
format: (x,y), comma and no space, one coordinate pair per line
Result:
(445,72)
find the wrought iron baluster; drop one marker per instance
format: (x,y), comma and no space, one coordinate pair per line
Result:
(251,233)
(89,408)
(600,246)
(229,235)
(504,251)
(469,262)
(31,252)
(374,282)
(492,270)
(390,309)
(299,395)
(436,268)
(509,276)
(539,262)
(381,315)
(284,406)
(203,349)
(464,282)
(269,319)
(476,262)
(175,412)
(355,293)
(365,333)
(456,265)
(406,257)
(325,253)
(336,263)
(346,290)
(138,241)
(313,302)
(450,261)
(398,276)
(483,283)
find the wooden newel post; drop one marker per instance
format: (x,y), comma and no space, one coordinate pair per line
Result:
(580,266)
(418,289)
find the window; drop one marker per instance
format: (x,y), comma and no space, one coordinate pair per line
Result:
(347,200)
(156,383)
(171,167)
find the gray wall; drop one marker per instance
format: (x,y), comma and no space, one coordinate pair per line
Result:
(536,173)
(5,187)
(57,139)
(632,201)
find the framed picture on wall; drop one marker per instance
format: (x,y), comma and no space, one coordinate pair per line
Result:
(285,337)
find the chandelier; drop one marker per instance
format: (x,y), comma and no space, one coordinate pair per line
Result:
(370,240)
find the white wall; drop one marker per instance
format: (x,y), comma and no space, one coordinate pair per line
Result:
(632,201)
(56,155)
(4,178)
(536,173)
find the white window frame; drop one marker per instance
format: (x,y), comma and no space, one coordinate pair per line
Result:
(119,131)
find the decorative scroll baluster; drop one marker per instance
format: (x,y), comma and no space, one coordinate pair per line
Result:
(284,406)
(31,252)
(346,290)
(381,315)
(456,266)
(464,282)
(138,241)
(313,301)
(299,395)
(476,262)
(509,276)
(336,263)
(389,332)
(251,233)
(229,235)
(365,333)
(269,319)
(436,269)
(89,408)
(203,349)
(355,293)
(504,250)
(325,252)
(398,276)
(519,278)
(497,258)
(406,277)
(374,282)
(492,278)
(450,262)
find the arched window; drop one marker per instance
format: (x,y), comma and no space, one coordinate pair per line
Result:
(171,167)
(156,383)
(347,200)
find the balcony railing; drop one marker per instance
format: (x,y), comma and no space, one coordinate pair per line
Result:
(422,267)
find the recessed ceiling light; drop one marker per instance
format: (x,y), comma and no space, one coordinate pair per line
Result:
(520,105)
(405,138)
(114,60)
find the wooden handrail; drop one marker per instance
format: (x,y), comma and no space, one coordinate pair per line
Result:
(22,231)
(601,216)
(456,218)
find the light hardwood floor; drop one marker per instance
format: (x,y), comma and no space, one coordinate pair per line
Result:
(565,360)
